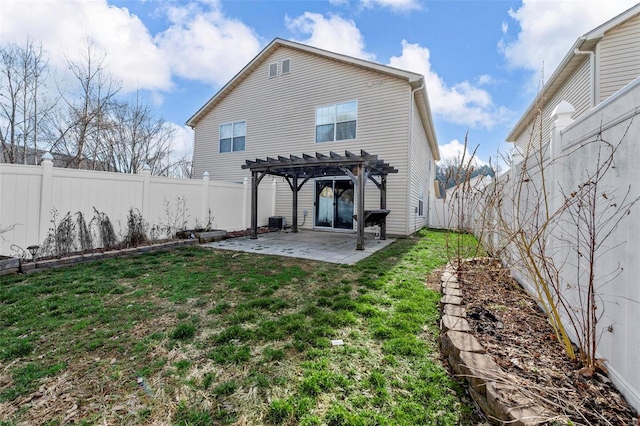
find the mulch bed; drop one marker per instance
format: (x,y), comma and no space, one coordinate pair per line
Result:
(514,330)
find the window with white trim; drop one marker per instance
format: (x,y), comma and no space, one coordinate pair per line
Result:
(336,122)
(232,136)
(421,205)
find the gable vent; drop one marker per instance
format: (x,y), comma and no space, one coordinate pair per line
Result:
(279,68)
(273,70)
(286,66)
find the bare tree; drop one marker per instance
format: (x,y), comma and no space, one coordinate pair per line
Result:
(90,125)
(137,137)
(183,167)
(23,72)
(79,129)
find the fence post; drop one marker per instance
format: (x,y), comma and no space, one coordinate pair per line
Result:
(146,191)
(205,199)
(46,196)
(246,203)
(560,119)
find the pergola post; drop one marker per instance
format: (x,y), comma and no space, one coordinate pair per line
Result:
(255,181)
(383,206)
(294,215)
(360,212)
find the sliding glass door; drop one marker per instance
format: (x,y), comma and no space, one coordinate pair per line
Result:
(333,204)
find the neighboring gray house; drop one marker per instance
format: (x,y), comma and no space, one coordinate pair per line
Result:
(293,99)
(599,64)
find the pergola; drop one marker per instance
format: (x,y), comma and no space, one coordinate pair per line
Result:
(298,170)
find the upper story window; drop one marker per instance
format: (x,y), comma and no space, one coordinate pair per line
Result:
(336,122)
(232,136)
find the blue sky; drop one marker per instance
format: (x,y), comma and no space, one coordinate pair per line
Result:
(482,60)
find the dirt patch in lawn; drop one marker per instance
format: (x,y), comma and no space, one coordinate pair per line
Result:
(515,332)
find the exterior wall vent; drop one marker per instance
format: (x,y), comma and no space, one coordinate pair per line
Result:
(286,66)
(273,70)
(279,68)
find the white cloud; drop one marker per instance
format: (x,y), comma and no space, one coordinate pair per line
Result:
(333,33)
(455,150)
(64,28)
(182,143)
(200,42)
(203,44)
(396,5)
(462,103)
(485,79)
(548,29)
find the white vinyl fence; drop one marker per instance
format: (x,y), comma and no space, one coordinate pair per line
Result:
(578,149)
(440,215)
(31,197)
(568,164)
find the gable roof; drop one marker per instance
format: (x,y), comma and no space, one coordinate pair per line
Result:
(416,81)
(586,43)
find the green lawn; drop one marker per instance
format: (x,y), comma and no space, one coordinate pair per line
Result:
(199,337)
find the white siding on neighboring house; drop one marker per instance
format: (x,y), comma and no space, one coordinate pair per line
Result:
(280,116)
(619,57)
(576,91)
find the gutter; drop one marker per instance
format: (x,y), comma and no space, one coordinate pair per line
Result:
(524,120)
(592,72)
(409,146)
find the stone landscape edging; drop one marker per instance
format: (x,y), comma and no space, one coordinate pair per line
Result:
(28,266)
(488,384)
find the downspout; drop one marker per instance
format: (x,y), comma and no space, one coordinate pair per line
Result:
(409,146)
(592,73)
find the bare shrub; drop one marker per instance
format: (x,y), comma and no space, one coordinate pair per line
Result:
(176,218)
(84,235)
(464,200)
(61,237)
(556,241)
(105,229)
(136,228)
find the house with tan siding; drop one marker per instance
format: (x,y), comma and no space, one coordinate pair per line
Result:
(600,63)
(293,99)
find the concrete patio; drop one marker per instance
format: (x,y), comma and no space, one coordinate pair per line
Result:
(332,247)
